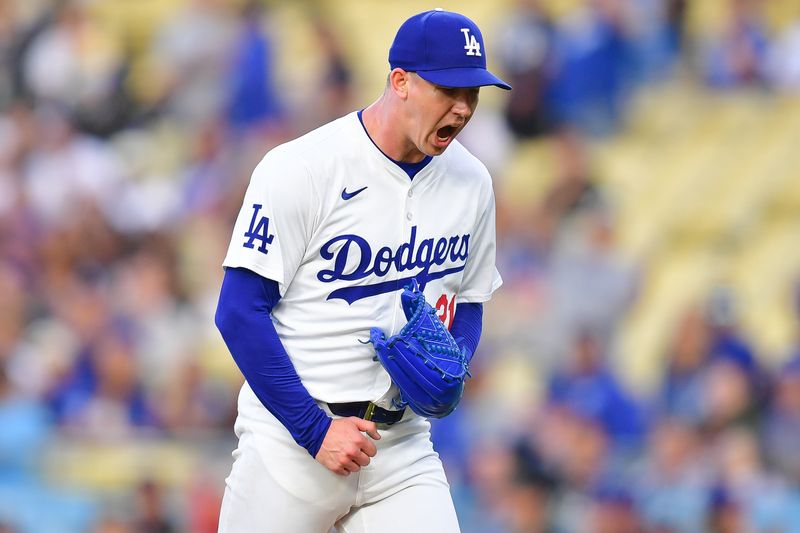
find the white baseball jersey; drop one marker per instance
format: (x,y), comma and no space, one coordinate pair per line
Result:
(342,228)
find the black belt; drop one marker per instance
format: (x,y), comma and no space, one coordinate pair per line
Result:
(367,411)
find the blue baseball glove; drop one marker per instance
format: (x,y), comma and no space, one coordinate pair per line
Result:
(423,360)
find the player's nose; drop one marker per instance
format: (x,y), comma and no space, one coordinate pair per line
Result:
(464,103)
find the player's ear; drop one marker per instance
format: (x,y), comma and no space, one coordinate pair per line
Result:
(399,80)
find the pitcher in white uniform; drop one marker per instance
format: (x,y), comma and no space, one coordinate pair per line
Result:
(333,225)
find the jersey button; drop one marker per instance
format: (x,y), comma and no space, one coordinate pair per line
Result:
(410,193)
(409,216)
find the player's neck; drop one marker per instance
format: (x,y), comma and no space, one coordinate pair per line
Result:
(381,123)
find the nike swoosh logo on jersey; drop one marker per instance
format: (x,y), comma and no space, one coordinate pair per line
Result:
(347,195)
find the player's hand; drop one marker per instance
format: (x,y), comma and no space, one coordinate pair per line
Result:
(346,448)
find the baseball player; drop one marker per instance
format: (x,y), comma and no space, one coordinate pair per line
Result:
(334,228)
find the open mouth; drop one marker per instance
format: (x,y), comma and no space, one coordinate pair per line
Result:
(445,132)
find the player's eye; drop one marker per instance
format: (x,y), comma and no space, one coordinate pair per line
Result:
(470,94)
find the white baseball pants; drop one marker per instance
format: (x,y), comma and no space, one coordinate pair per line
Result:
(276,486)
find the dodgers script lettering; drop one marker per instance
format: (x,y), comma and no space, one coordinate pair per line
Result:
(355,250)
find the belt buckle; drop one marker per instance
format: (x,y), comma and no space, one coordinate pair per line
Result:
(370,411)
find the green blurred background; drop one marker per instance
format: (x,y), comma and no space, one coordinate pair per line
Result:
(640,368)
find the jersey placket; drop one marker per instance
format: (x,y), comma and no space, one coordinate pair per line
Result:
(407,222)
(409,208)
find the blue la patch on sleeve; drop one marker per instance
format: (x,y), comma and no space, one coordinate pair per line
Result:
(258,231)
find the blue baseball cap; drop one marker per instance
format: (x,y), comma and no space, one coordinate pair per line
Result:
(444,48)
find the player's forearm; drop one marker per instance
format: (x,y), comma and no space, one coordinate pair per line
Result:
(467,327)
(242,318)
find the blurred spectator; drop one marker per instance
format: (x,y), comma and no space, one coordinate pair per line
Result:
(8,34)
(711,379)
(595,66)
(151,516)
(727,341)
(13,311)
(529,508)
(728,398)
(104,399)
(762,500)
(67,170)
(487,504)
(23,23)
(192,400)
(523,250)
(533,494)
(687,355)
(27,428)
(100,395)
(588,387)
(525,51)
(733,383)
(77,65)
(574,191)
(148,295)
(17,134)
(673,481)
(591,284)
(612,511)
(574,450)
(657,37)
(113,525)
(676,11)
(781,429)
(452,440)
(783,60)
(204,499)
(737,57)
(252,101)
(149,198)
(725,514)
(335,87)
(78,248)
(193,51)
(527,236)
(583,465)
(208,172)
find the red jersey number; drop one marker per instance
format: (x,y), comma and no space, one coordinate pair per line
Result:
(446,309)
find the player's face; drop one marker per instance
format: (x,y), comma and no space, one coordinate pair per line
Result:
(438,113)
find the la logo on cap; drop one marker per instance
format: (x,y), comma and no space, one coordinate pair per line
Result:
(471,44)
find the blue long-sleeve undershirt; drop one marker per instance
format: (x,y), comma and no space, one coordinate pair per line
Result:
(245,303)
(467,326)
(243,318)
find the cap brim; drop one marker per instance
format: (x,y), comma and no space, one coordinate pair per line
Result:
(463,77)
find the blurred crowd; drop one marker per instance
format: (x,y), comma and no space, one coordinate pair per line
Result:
(122,167)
